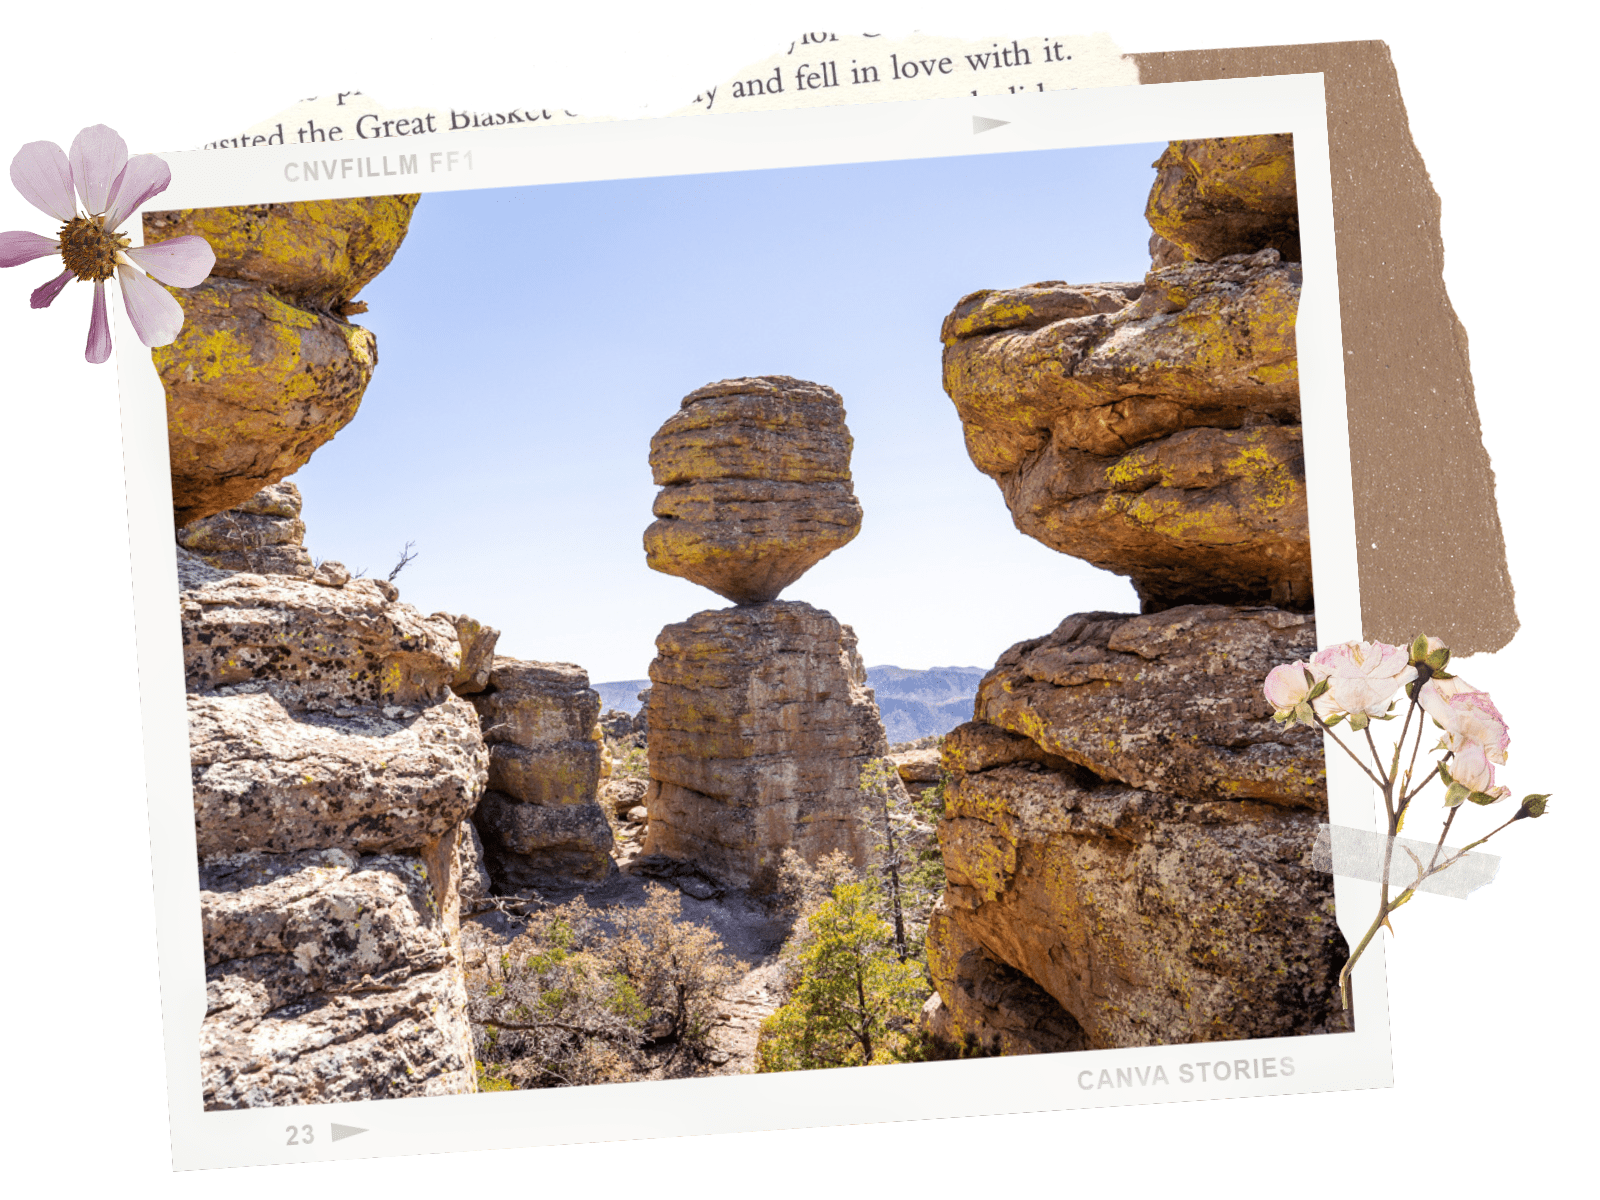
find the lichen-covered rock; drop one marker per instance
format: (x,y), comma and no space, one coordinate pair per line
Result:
(1170,701)
(470,870)
(254,385)
(1158,438)
(477,654)
(321,648)
(264,535)
(330,978)
(1149,917)
(364,779)
(1219,196)
(993,1008)
(755,479)
(319,251)
(760,724)
(541,820)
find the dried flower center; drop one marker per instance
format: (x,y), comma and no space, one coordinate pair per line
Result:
(90,249)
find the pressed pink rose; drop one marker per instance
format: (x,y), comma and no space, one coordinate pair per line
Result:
(110,186)
(1471,768)
(1466,714)
(1362,678)
(1286,686)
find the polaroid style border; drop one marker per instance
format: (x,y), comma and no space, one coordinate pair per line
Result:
(505,157)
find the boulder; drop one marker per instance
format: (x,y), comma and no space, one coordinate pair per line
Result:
(477,642)
(333,769)
(541,820)
(474,876)
(1149,917)
(254,385)
(329,978)
(1159,439)
(264,535)
(993,1009)
(755,486)
(1219,196)
(760,725)
(1170,701)
(320,252)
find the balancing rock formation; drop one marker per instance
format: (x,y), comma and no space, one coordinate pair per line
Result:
(333,769)
(541,821)
(267,366)
(1127,831)
(1154,429)
(759,716)
(755,486)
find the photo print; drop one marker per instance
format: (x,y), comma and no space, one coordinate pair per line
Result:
(756,619)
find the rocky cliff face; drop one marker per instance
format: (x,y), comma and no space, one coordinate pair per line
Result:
(541,820)
(1153,429)
(267,366)
(333,769)
(1127,832)
(755,486)
(760,724)
(264,535)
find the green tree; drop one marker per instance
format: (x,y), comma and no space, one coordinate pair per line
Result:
(855,1001)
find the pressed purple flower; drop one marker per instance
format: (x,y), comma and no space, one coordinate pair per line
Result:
(110,187)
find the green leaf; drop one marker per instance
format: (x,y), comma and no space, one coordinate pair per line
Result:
(1444,774)
(1419,649)
(1438,659)
(1322,686)
(1358,721)
(1454,795)
(1302,712)
(1442,675)
(1330,722)
(1484,798)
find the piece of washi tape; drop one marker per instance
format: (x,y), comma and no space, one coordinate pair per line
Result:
(1360,854)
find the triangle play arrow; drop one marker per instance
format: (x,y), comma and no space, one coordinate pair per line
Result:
(340,1132)
(984,124)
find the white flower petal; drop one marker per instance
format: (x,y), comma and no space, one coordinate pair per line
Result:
(156,316)
(97,156)
(181,262)
(99,347)
(19,246)
(40,171)
(145,175)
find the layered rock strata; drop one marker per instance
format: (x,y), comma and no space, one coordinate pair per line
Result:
(541,819)
(755,486)
(267,366)
(1128,827)
(760,724)
(264,535)
(332,770)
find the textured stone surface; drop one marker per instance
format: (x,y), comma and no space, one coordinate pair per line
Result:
(333,769)
(477,642)
(319,251)
(329,978)
(1151,429)
(541,819)
(367,780)
(1170,701)
(760,723)
(992,1008)
(1219,196)
(470,870)
(321,648)
(755,479)
(1150,918)
(254,385)
(264,535)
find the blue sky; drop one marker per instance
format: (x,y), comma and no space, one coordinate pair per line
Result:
(531,340)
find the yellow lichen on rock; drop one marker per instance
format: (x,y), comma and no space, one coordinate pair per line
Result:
(1219,196)
(319,251)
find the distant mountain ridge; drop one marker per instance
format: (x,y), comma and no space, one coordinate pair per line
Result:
(918,704)
(914,704)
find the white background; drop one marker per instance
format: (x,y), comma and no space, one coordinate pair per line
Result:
(1490,1002)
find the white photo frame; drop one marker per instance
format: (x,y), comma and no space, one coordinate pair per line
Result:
(510,156)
